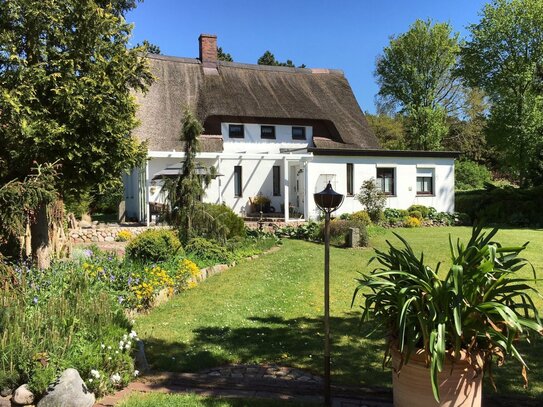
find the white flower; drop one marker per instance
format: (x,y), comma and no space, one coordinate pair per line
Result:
(90,380)
(121,344)
(127,346)
(109,348)
(133,335)
(136,373)
(116,352)
(125,337)
(103,346)
(95,373)
(116,378)
(109,358)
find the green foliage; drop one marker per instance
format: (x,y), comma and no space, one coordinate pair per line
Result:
(189,215)
(57,319)
(501,57)
(480,306)
(207,251)
(19,201)
(339,229)
(224,219)
(395,216)
(423,210)
(153,245)
(78,203)
(148,47)
(467,134)
(426,127)
(361,216)
(373,199)
(470,175)
(75,108)
(108,199)
(421,84)
(224,56)
(390,130)
(306,231)
(269,59)
(503,206)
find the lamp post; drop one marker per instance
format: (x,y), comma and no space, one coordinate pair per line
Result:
(327,201)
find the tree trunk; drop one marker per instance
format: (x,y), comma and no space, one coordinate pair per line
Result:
(41,252)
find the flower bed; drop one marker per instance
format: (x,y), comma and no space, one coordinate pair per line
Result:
(75,314)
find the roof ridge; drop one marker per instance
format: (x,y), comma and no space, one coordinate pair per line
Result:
(243,65)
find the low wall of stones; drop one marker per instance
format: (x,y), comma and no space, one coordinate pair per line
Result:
(103,233)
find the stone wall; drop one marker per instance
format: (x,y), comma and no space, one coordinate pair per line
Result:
(102,233)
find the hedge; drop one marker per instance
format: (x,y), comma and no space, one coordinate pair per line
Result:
(504,206)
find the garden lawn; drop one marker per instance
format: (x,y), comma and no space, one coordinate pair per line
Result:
(191,400)
(269,310)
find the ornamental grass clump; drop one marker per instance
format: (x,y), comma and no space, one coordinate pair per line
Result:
(480,306)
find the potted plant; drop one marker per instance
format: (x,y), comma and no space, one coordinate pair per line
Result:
(444,333)
(262,203)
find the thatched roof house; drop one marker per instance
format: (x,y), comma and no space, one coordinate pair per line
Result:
(228,91)
(280,132)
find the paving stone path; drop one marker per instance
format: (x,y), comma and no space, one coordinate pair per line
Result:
(253,381)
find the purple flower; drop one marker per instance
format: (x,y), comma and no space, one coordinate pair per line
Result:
(130,280)
(87,252)
(111,278)
(120,299)
(35,300)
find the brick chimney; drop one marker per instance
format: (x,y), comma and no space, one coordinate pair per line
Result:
(208,50)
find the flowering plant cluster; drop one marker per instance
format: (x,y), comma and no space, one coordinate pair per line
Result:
(124,236)
(115,368)
(136,285)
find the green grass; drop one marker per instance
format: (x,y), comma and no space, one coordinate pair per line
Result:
(191,400)
(269,310)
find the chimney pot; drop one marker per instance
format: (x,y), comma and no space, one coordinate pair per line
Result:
(208,50)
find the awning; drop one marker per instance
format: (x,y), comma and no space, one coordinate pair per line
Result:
(173,171)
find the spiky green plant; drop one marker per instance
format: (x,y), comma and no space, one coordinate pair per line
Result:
(479,307)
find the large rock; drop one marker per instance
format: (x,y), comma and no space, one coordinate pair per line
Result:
(23,395)
(68,391)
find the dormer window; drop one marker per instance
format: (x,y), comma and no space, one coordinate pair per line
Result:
(236,131)
(267,132)
(298,133)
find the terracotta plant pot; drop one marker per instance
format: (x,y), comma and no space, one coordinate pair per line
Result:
(459,383)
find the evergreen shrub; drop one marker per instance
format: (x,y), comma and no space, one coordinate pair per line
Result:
(153,246)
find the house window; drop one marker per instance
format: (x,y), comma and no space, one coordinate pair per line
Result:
(350,179)
(298,133)
(385,180)
(238,189)
(236,131)
(276,180)
(267,132)
(425,181)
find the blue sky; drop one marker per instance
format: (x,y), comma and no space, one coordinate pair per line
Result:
(347,35)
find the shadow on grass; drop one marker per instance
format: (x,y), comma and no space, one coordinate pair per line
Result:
(296,342)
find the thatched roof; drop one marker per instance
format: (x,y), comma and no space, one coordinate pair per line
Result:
(255,91)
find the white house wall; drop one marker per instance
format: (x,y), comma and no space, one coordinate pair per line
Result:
(253,143)
(405,180)
(257,178)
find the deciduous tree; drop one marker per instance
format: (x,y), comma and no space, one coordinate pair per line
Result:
(502,58)
(67,78)
(416,76)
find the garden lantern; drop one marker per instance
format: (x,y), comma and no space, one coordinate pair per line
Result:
(327,201)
